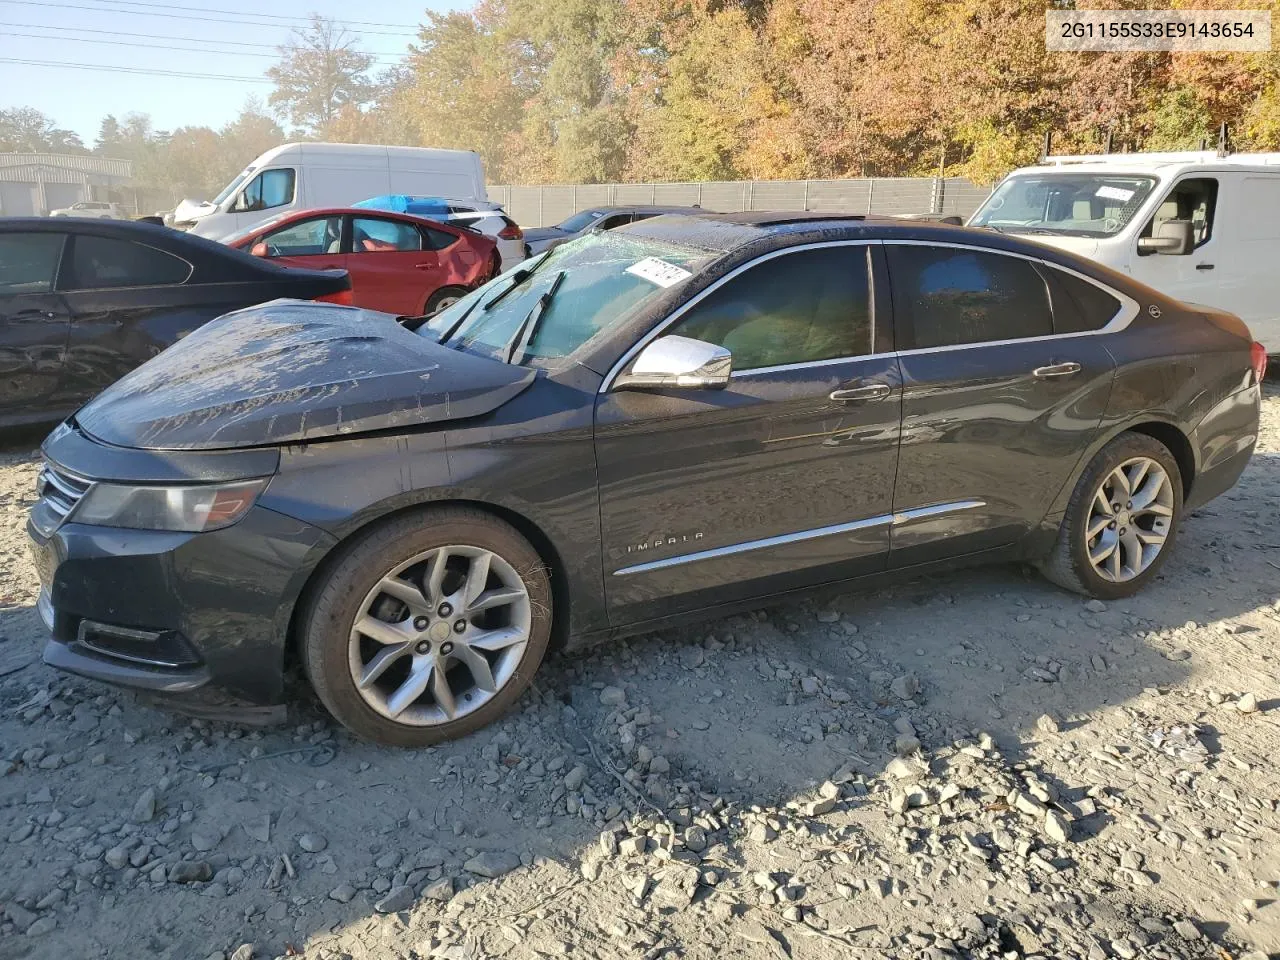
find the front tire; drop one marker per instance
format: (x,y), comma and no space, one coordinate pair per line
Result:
(428,627)
(1121,522)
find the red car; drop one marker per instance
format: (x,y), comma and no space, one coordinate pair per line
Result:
(398,263)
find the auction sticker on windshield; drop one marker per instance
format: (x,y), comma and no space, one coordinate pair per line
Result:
(1114,193)
(658,271)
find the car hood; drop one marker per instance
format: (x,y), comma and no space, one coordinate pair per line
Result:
(291,371)
(544,233)
(188,211)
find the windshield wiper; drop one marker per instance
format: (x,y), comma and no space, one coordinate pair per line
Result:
(517,278)
(528,328)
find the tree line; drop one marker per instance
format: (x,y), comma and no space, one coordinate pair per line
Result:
(612,90)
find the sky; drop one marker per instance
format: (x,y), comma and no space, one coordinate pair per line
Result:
(226,38)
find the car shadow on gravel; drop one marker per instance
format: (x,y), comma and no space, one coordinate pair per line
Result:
(309,835)
(756,709)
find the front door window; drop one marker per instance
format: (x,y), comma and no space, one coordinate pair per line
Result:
(270,188)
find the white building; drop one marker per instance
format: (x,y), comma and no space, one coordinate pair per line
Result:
(32,184)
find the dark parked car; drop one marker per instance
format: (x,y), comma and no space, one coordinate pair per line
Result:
(83,302)
(681,417)
(541,239)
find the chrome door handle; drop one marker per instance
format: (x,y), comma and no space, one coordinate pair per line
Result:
(1056,370)
(873,391)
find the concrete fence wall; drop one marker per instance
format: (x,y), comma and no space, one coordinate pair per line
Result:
(539,206)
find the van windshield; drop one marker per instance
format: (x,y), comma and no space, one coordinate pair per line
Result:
(1074,204)
(230,188)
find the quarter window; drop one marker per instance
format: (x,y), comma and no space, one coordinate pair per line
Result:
(100,262)
(270,188)
(1078,305)
(948,296)
(383,236)
(796,308)
(29,262)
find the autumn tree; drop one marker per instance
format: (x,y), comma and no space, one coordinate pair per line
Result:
(26,130)
(321,72)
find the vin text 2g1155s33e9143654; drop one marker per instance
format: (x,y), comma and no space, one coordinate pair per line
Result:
(679,417)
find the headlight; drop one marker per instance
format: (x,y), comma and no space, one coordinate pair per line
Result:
(189,509)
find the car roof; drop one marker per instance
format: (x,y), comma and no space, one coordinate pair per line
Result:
(213,261)
(741,236)
(365,212)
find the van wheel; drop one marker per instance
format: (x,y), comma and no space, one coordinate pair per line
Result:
(444,297)
(1121,521)
(428,627)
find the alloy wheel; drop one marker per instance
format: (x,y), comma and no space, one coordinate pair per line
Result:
(439,635)
(1129,519)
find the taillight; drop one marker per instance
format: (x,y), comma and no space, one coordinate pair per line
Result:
(342,298)
(511,231)
(1258,360)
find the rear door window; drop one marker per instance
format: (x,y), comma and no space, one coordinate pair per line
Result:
(373,235)
(29,262)
(99,263)
(952,296)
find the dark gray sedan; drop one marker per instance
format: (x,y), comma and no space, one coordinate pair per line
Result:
(542,239)
(676,419)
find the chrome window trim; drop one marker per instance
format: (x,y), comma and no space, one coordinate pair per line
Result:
(693,301)
(1129,310)
(59,288)
(895,519)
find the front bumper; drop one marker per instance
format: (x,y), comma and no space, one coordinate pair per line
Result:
(176,612)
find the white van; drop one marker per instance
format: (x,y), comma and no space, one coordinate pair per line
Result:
(303,176)
(1198,226)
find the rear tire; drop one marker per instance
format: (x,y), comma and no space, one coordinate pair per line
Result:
(428,627)
(444,297)
(1121,521)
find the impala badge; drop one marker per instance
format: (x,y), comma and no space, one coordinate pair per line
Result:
(657,543)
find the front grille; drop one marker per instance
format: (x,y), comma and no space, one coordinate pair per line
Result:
(60,490)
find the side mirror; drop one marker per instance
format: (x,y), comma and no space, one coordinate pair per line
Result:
(260,249)
(1175,238)
(678,362)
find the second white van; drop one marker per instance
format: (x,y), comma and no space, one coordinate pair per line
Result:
(1200,227)
(301,176)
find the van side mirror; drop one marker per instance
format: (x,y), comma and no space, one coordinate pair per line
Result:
(678,362)
(1175,238)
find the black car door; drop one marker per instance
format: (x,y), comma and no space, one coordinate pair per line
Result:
(783,478)
(128,302)
(998,403)
(34,321)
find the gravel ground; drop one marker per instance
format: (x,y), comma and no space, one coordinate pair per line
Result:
(976,765)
